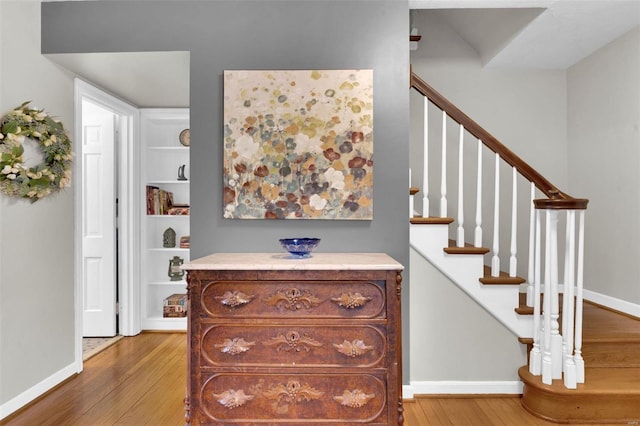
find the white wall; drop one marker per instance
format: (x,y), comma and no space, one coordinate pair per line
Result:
(36,255)
(444,348)
(604,153)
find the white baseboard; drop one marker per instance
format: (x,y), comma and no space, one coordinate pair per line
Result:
(613,303)
(35,391)
(460,388)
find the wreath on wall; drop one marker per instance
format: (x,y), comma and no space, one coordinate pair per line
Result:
(48,177)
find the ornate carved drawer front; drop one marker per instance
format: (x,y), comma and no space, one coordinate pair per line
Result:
(294,299)
(293,345)
(262,398)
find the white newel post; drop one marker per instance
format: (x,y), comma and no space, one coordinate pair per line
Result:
(535,357)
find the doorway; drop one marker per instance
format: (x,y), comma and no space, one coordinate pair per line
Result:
(106,247)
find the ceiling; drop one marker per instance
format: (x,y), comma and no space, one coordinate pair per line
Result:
(505,33)
(534,34)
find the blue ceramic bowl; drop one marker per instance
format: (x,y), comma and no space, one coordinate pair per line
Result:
(300,247)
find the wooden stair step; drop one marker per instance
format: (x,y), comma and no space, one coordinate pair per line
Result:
(467,249)
(418,220)
(502,278)
(609,395)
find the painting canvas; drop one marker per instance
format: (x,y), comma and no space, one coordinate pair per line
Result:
(298,144)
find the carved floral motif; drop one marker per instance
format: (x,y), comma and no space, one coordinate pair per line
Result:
(351,300)
(292,392)
(293,342)
(234,346)
(232,398)
(293,299)
(233,299)
(352,349)
(354,399)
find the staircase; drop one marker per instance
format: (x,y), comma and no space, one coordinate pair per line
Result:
(583,367)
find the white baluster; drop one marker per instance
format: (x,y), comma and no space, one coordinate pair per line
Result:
(569,366)
(513,260)
(547,373)
(478,231)
(460,235)
(495,260)
(410,196)
(532,228)
(535,357)
(443,181)
(556,338)
(579,361)
(425,164)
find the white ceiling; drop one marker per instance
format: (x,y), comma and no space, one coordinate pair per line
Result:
(535,34)
(505,33)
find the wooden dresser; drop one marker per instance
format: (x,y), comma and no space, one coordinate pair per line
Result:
(276,340)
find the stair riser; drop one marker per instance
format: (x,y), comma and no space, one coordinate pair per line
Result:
(580,408)
(611,354)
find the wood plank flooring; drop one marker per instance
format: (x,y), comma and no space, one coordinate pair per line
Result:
(141,380)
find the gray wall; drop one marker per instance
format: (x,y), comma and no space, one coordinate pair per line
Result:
(36,240)
(264,35)
(604,151)
(236,34)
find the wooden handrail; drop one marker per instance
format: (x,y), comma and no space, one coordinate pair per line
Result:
(556,198)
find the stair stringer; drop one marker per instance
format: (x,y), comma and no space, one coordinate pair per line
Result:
(465,271)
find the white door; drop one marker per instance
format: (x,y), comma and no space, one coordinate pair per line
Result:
(98,221)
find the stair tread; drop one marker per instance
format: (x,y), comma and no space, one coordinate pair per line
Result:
(502,278)
(598,380)
(418,220)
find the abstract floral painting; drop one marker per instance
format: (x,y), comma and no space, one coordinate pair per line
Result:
(298,144)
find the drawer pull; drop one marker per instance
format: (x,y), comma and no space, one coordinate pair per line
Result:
(354,399)
(293,341)
(293,299)
(292,392)
(352,349)
(351,300)
(232,398)
(233,299)
(234,346)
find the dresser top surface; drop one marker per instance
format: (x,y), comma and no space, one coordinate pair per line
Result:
(285,262)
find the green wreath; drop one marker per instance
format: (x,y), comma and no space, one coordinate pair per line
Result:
(33,183)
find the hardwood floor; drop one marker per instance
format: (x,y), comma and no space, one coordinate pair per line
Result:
(141,381)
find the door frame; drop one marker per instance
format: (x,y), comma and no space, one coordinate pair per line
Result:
(128,177)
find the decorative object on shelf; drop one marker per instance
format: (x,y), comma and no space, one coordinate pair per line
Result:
(175,306)
(181,175)
(175,273)
(298,144)
(185,242)
(179,210)
(159,201)
(169,238)
(300,248)
(17,179)
(185,137)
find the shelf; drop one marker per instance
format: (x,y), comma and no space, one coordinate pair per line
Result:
(167,182)
(169,148)
(182,283)
(164,159)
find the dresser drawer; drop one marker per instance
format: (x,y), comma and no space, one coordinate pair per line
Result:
(293,345)
(273,398)
(293,299)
